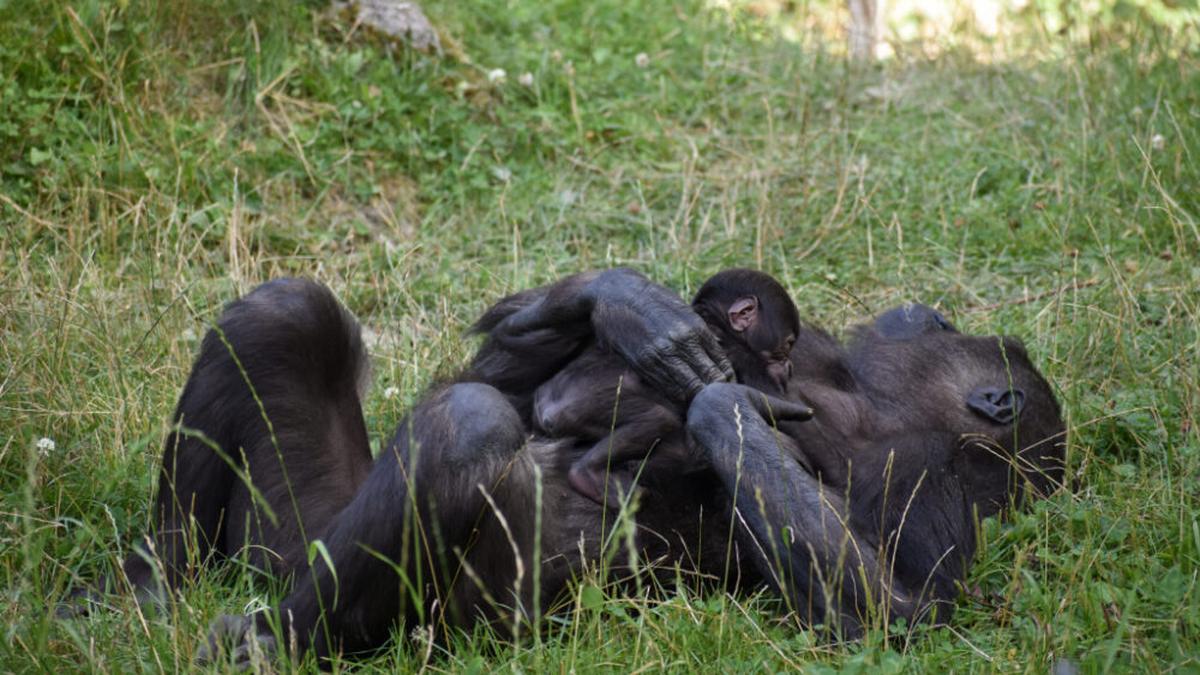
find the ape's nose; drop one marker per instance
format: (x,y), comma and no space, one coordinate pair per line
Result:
(1001,405)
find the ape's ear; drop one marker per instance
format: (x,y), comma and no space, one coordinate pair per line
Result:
(1001,405)
(743,313)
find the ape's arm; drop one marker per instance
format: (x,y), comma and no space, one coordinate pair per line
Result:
(533,334)
(797,531)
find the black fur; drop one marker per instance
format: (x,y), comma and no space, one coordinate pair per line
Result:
(759,354)
(867,505)
(897,449)
(289,353)
(598,399)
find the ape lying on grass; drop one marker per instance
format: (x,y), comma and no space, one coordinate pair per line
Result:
(859,515)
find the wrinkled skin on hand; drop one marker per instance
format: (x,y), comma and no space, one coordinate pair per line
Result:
(652,328)
(660,336)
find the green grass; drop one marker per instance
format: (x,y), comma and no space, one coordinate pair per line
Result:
(158,159)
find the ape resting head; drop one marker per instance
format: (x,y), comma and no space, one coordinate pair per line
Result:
(922,373)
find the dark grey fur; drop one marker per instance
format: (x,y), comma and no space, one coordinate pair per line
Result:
(440,529)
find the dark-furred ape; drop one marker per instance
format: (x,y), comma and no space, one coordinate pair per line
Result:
(444,528)
(269,443)
(598,402)
(919,432)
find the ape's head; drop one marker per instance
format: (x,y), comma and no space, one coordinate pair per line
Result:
(757,323)
(924,374)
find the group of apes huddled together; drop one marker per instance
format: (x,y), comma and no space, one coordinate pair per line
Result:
(748,448)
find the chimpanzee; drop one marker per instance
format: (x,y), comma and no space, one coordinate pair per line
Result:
(464,518)
(600,403)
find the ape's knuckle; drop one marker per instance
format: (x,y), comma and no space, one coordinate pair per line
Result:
(464,397)
(706,419)
(662,345)
(688,322)
(644,355)
(682,335)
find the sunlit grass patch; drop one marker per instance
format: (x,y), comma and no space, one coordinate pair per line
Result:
(160,159)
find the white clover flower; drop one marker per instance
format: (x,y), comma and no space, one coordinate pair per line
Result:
(497,76)
(642,59)
(1157,142)
(45,446)
(391,392)
(188,335)
(526,79)
(421,635)
(502,173)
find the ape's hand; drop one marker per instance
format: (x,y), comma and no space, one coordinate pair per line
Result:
(726,416)
(658,334)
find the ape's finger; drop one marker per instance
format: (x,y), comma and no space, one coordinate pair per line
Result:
(714,373)
(691,388)
(713,366)
(678,380)
(702,364)
(686,383)
(777,409)
(713,347)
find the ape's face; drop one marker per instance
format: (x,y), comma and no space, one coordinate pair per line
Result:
(921,373)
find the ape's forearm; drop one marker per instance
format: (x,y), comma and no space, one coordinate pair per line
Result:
(798,531)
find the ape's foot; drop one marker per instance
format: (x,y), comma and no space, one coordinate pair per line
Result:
(594,483)
(82,601)
(237,641)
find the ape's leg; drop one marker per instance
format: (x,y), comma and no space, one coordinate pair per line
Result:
(798,532)
(396,552)
(270,440)
(592,474)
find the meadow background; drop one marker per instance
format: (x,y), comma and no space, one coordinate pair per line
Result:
(158,159)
